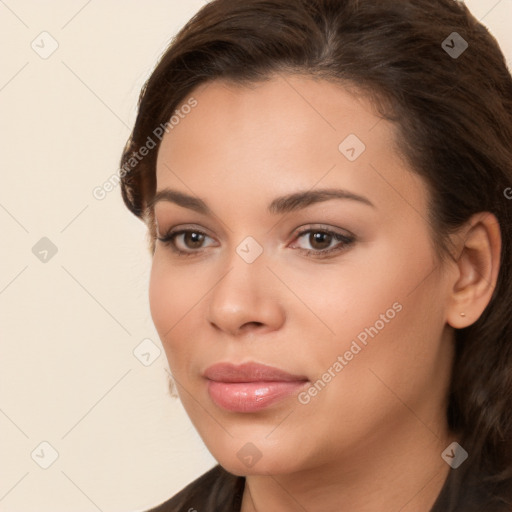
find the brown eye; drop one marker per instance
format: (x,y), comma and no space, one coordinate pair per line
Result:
(323,242)
(185,242)
(320,240)
(193,240)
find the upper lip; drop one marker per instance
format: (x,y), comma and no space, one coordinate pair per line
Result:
(249,372)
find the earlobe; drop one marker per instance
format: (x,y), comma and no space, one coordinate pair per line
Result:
(477,267)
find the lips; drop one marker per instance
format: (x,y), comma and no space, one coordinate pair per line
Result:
(250,387)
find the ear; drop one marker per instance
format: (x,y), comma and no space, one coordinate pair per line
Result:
(477,263)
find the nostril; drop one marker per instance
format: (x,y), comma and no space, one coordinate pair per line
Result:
(249,325)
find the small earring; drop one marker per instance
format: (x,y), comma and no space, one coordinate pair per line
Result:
(463,314)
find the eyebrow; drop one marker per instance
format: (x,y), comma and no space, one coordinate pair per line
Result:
(279,206)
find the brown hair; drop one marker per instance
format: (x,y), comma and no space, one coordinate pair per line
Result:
(453,115)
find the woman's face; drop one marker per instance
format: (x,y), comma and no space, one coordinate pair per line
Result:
(308,250)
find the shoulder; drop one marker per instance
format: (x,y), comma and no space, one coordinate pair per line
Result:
(214,490)
(474,493)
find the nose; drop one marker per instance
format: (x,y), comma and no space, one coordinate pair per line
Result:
(246,299)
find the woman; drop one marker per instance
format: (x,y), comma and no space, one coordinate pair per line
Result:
(326,185)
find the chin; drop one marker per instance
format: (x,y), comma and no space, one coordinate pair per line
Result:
(269,467)
(257,459)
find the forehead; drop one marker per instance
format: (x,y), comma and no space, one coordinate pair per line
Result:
(295,107)
(289,131)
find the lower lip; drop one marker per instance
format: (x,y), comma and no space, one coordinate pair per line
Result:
(251,396)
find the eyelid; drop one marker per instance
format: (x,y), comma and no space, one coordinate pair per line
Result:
(297,231)
(345,239)
(170,235)
(183,227)
(323,228)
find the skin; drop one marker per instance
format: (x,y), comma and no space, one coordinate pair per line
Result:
(372,438)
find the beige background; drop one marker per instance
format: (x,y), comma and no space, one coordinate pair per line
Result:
(70,325)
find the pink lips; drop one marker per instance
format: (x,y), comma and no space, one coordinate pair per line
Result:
(250,387)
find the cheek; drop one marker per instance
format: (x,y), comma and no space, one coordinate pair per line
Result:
(178,301)
(385,307)
(371,281)
(171,295)
(387,314)
(161,296)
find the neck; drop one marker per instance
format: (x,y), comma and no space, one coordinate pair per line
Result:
(405,473)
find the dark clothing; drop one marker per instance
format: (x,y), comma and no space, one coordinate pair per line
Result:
(215,491)
(220,491)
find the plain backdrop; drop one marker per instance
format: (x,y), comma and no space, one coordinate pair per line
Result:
(86,420)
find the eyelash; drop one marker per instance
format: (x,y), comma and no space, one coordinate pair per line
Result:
(345,240)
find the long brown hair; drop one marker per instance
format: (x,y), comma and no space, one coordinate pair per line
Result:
(453,115)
